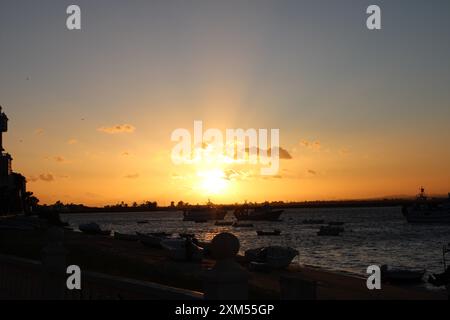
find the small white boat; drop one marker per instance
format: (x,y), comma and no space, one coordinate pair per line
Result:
(151,240)
(181,249)
(442,279)
(206,213)
(223,223)
(93,228)
(270,258)
(262,213)
(425,210)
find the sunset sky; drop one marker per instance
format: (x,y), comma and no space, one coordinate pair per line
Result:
(362,113)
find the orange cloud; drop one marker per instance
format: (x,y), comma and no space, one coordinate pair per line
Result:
(46,177)
(344,151)
(282,153)
(59,159)
(120,128)
(313,145)
(39,132)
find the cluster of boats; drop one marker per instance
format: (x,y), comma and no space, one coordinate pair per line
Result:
(186,247)
(244,213)
(333,228)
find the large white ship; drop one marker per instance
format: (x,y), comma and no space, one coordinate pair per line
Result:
(424,210)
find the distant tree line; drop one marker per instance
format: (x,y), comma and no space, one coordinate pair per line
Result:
(148,206)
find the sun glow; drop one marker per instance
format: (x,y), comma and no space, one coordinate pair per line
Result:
(212,181)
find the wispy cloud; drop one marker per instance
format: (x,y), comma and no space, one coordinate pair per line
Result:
(39,132)
(313,145)
(344,151)
(132,176)
(72,141)
(46,177)
(282,153)
(120,128)
(59,159)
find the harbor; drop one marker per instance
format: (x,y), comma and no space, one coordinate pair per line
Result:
(132,260)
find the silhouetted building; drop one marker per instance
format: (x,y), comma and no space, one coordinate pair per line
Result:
(12,185)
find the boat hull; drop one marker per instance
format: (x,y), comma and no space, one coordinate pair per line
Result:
(204,216)
(426,215)
(273,215)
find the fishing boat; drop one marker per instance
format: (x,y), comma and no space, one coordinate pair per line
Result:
(125,236)
(270,258)
(330,231)
(204,213)
(181,249)
(152,240)
(93,228)
(402,275)
(275,232)
(425,210)
(442,279)
(263,213)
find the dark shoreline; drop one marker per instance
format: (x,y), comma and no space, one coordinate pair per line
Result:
(71,208)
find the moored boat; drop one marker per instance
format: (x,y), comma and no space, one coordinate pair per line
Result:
(424,210)
(275,232)
(442,279)
(270,258)
(264,213)
(402,275)
(181,249)
(223,223)
(330,231)
(93,228)
(152,240)
(204,214)
(242,225)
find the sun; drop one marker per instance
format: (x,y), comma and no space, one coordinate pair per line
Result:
(212,181)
